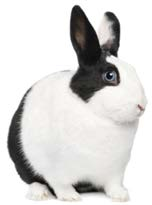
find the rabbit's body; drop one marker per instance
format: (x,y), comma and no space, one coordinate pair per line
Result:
(78,127)
(71,145)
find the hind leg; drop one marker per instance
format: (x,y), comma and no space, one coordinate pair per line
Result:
(38,192)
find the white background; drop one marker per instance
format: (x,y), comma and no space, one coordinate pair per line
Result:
(34,42)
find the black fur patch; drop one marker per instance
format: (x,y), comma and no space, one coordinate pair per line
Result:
(92,59)
(84,38)
(83,187)
(15,149)
(89,79)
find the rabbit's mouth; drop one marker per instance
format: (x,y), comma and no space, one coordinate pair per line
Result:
(141,110)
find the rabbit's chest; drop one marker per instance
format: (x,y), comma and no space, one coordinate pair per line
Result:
(92,151)
(103,145)
(99,154)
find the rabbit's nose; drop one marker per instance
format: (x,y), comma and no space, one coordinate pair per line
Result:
(141,108)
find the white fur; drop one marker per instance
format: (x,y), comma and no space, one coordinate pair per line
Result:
(67,193)
(38,192)
(117,193)
(67,140)
(105,33)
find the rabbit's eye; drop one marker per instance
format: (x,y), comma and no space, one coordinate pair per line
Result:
(110,76)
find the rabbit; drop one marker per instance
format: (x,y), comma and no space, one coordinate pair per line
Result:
(73,131)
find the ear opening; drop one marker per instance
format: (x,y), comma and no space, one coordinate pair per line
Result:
(109,33)
(84,38)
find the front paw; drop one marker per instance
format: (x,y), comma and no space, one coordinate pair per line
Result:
(118,194)
(67,193)
(69,196)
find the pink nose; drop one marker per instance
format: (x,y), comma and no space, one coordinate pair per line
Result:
(140,107)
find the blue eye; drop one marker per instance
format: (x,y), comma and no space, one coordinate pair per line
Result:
(110,76)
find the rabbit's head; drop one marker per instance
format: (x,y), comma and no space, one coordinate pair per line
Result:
(109,86)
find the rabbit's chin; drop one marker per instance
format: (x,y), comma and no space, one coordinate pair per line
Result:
(124,117)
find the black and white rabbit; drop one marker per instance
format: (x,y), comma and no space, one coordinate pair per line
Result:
(75,129)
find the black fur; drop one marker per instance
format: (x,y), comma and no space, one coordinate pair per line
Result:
(84,38)
(16,152)
(15,146)
(88,80)
(92,59)
(85,186)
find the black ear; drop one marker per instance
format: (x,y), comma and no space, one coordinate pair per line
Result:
(109,33)
(83,37)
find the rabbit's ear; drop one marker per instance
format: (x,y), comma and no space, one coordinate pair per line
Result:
(109,33)
(84,37)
